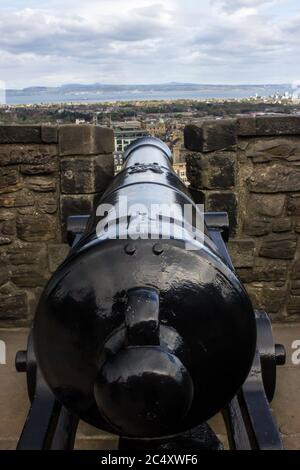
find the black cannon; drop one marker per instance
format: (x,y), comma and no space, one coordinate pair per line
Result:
(145,330)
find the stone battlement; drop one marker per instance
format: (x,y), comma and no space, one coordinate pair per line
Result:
(250,167)
(46,174)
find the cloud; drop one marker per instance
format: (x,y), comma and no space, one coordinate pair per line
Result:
(234,5)
(147,41)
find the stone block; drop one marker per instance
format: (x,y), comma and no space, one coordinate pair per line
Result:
(279,246)
(29,275)
(246,126)
(257,226)
(27,154)
(6,215)
(211,171)
(82,175)
(221,201)
(20,134)
(36,227)
(49,134)
(20,199)
(209,136)
(27,253)
(274,178)
(268,205)
(27,211)
(293,205)
(277,125)
(243,144)
(242,253)
(41,184)
(293,306)
(265,269)
(85,140)
(57,253)
(269,149)
(9,180)
(47,204)
(45,169)
(282,225)
(8,227)
(268,297)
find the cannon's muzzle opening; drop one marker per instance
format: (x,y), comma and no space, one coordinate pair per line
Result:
(144,391)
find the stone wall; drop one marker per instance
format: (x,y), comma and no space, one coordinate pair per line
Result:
(250,167)
(46,174)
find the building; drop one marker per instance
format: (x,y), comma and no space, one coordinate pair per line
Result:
(118,161)
(126,132)
(157,128)
(180,170)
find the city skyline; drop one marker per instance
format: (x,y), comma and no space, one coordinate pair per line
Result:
(149,41)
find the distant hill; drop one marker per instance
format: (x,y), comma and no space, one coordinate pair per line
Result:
(119,92)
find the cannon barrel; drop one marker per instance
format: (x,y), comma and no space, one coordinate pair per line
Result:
(145,329)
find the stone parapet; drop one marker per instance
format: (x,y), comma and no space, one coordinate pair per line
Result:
(252,170)
(46,174)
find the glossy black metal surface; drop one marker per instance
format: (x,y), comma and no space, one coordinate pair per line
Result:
(167,359)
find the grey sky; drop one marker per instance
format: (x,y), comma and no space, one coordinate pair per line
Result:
(149,41)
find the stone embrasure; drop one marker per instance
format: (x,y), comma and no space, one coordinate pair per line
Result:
(248,166)
(38,164)
(263,201)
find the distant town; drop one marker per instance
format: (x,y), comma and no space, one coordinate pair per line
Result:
(133,119)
